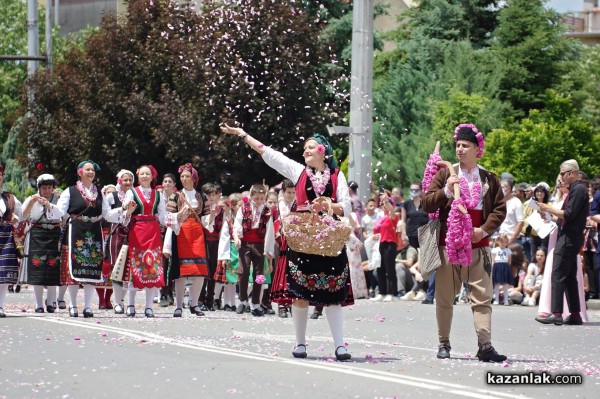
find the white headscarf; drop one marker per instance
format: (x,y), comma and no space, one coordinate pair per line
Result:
(120,175)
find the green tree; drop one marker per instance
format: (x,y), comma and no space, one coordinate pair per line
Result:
(534,149)
(533,51)
(154,87)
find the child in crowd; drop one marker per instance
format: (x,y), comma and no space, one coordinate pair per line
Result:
(533,280)
(212,223)
(254,236)
(227,267)
(501,273)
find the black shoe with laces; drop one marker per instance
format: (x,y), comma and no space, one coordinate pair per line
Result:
(490,355)
(267,309)
(444,351)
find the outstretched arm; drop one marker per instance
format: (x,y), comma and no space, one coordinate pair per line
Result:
(251,141)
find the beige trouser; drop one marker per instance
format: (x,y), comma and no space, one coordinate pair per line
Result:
(448,281)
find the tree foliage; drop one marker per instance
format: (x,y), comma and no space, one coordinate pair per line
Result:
(533,150)
(154,87)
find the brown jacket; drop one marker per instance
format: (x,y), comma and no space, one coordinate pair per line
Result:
(494,204)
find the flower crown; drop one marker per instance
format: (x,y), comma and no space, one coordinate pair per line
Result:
(478,135)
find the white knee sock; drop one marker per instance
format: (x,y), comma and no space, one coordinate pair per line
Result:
(3,292)
(195,290)
(300,319)
(88,295)
(62,290)
(229,295)
(51,295)
(149,297)
(497,293)
(335,318)
(218,288)
(73,289)
(179,292)
(119,294)
(38,293)
(131,299)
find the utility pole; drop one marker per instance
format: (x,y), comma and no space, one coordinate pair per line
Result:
(33,39)
(361,99)
(49,35)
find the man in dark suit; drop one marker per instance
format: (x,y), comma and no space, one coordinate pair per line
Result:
(572,219)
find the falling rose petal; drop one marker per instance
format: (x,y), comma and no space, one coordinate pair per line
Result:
(505,364)
(330,360)
(77,339)
(368,357)
(104,334)
(231,390)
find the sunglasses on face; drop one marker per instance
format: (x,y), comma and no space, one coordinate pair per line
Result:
(414,190)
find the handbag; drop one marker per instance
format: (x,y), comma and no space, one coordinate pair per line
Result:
(119,268)
(429,236)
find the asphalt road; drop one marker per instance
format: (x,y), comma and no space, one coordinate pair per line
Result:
(224,355)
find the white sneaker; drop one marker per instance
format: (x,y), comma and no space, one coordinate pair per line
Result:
(420,296)
(377,298)
(495,303)
(388,298)
(409,296)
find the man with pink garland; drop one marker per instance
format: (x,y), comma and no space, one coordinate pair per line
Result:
(484,201)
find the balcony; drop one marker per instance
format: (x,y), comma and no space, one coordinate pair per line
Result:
(583,25)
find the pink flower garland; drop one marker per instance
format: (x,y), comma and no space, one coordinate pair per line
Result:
(319,184)
(460,225)
(84,193)
(431,168)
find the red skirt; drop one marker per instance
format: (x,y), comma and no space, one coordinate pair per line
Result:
(145,260)
(191,250)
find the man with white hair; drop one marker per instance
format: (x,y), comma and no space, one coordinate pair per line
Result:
(572,219)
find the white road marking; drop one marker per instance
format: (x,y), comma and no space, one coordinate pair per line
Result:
(349,369)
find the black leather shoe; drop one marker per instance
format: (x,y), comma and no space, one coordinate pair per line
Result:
(427,301)
(257,312)
(148,313)
(62,305)
(342,357)
(39,310)
(87,313)
(315,315)
(217,304)
(73,312)
(247,309)
(267,310)
(210,308)
(299,354)
(130,311)
(283,313)
(240,308)
(178,312)
(50,308)
(443,351)
(551,319)
(196,310)
(2,314)
(227,308)
(574,321)
(18,288)
(490,356)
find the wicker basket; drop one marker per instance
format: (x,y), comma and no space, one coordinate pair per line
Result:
(307,233)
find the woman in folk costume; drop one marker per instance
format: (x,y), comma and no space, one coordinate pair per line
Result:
(319,177)
(144,208)
(10,214)
(117,237)
(41,263)
(185,243)
(82,253)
